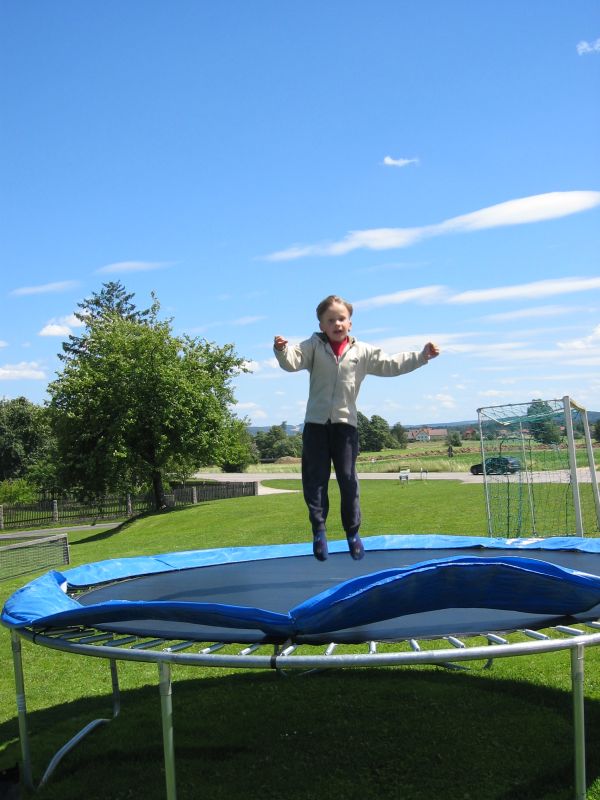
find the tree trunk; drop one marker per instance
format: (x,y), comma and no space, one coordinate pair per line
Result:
(158,490)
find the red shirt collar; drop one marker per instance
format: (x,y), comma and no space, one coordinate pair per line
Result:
(338,347)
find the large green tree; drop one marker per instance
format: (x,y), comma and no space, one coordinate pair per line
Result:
(25,438)
(134,402)
(542,423)
(113,299)
(275,443)
(400,435)
(379,436)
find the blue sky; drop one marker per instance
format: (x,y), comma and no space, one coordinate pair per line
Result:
(436,163)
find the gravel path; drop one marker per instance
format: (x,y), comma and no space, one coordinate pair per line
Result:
(258,477)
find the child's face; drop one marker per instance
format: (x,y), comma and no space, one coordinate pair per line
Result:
(336,322)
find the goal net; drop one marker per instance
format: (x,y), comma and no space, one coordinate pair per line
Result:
(21,553)
(538,468)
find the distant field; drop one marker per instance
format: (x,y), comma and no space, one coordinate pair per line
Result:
(430,456)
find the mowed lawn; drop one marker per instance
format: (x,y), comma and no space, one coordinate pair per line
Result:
(412,733)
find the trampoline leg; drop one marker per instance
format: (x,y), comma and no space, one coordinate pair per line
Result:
(166,705)
(21,709)
(577,669)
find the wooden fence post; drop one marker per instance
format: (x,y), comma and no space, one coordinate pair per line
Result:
(55,511)
(194,495)
(129,505)
(1,517)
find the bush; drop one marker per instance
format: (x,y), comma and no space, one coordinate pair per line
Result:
(17,491)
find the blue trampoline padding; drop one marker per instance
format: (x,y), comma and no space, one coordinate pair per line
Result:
(117,568)
(510,583)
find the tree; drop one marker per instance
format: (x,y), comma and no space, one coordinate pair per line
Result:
(400,434)
(112,300)
(136,401)
(542,425)
(363,426)
(275,443)
(597,430)
(25,437)
(238,450)
(453,439)
(374,434)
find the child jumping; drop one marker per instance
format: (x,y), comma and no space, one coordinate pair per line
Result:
(337,364)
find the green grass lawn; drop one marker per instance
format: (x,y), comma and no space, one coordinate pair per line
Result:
(417,733)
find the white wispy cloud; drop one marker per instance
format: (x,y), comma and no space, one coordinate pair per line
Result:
(247,320)
(525,210)
(422,294)
(3,343)
(521,291)
(252,366)
(61,326)
(585,48)
(448,342)
(527,291)
(533,312)
(399,162)
(267,369)
(442,400)
(553,355)
(252,408)
(591,342)
(46,288)
(25,370)
(55,329)
(239,322)
(133,266)
(495,393)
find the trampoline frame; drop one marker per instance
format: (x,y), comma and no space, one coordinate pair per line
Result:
(285,658)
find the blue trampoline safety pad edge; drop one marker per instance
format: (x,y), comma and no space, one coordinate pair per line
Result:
(513,582)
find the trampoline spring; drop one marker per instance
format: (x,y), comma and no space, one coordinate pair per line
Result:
(122,642)
(71,634)
(455,642)
(251,649)
(493,639)
(534,634)
(289,650)
(96,638)
(330,648)
(212,649)
(569,631)
(372,647)
(148,644)
(414,645)
(180,646)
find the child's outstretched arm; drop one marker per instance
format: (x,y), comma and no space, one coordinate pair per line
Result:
(431,350)
(280,343)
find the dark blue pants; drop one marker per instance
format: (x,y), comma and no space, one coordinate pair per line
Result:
(322,444)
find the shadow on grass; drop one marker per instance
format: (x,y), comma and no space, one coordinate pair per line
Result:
(351,734)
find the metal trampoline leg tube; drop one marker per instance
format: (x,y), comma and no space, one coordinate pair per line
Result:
(166,706)
(21,709)
(22,718)
(577,672)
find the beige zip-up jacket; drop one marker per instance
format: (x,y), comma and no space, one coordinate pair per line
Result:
(335,383)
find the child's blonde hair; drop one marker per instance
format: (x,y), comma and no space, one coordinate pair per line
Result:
(329,301)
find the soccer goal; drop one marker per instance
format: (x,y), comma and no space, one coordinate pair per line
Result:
(539,471)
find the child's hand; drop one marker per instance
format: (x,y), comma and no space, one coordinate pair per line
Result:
(431,350)
(280,343)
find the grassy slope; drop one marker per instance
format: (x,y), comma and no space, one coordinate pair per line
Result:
(419,733)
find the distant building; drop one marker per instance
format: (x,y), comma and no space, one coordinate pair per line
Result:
(427,434)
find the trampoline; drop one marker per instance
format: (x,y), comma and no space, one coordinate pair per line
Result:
(428,599)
